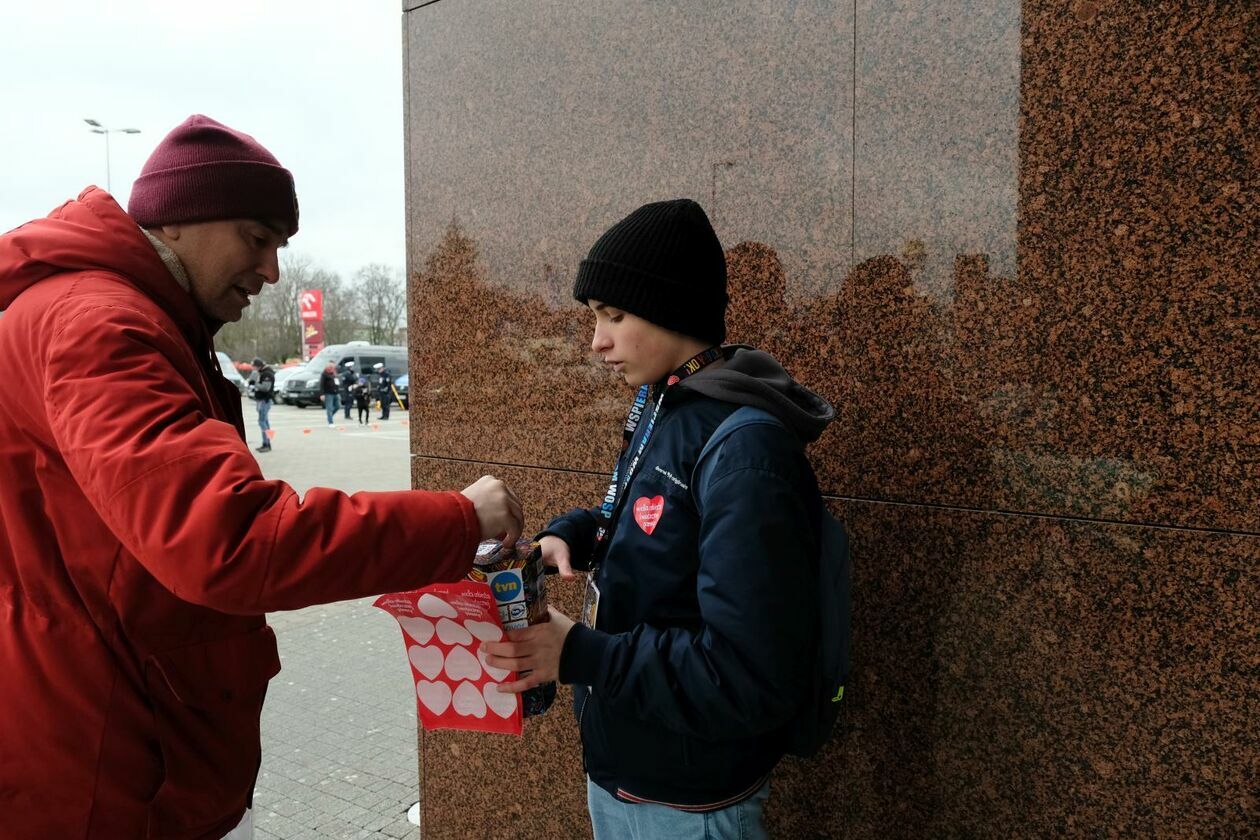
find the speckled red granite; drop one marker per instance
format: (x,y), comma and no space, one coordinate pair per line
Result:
(535,126)
(1020,677)
(499,786)
(1015,245)
(1014,676)
(1054,303)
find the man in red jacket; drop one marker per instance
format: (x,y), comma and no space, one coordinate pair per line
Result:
(140,546)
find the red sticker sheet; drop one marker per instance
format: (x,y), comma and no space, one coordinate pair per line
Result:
(443,627)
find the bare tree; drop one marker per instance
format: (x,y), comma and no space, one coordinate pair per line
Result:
(370,307)
(342,317)
(383,299)
(271,326)
(278,307)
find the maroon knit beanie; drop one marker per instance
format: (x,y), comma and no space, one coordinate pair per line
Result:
(204,171)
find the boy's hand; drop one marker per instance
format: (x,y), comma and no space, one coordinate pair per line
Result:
(534,649)
(555,553)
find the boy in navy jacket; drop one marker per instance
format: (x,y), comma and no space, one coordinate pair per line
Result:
(699,627)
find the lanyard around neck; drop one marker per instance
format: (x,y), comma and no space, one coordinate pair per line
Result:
(618,486)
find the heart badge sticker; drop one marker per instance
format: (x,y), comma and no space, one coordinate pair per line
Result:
(647,512)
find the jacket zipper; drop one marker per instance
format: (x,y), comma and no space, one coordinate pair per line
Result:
(581,735)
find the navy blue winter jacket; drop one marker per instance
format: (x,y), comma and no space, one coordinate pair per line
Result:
(705,633)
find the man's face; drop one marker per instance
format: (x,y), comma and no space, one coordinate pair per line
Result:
(228,262)
(638,350)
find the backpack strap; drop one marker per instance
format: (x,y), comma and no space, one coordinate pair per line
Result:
(745,415)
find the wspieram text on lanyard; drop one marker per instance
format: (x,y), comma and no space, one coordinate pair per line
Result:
(608,508)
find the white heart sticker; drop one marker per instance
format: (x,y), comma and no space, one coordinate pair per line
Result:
(428,660)
(435,696)
(497,674)
(432,605)
(501,704)
(420,629)
(468,701)
(484,630)
(452,634)
(462,665)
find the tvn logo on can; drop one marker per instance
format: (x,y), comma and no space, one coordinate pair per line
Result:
(507,586)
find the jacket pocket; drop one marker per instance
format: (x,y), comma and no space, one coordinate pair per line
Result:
(207,701)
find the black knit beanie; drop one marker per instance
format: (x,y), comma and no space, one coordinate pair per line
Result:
(663,263)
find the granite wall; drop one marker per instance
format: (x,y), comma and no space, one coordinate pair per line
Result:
(1015,245)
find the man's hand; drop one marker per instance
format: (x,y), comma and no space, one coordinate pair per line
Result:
(535,649)
(498,510)
(555,552)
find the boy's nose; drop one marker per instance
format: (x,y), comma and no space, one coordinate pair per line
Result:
(599,342)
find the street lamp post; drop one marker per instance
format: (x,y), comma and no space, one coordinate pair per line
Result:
(97,128)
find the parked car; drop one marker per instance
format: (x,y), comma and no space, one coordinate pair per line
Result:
(230,373)
(283,375)
(277,393)
(302,387)
(401,385)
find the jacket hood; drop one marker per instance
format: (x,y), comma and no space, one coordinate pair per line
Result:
(92,233)
(753,377)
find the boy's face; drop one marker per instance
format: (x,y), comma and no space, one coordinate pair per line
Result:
(638,350)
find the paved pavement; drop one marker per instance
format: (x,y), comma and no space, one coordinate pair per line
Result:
(339,725)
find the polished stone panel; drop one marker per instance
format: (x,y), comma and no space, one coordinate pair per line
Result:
(533,126)
(1049,301)
(1014,676)
(1137,266)
(483,785)
(1091,349)
(937,131)
(1030,677)
(1014,243)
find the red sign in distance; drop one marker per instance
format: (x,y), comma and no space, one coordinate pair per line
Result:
(311,304)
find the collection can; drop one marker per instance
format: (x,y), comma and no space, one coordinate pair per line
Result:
(518,583)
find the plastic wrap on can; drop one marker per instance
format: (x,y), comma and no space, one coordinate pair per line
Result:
(517,580)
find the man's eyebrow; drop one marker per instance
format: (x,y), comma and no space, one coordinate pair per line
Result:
(277,230)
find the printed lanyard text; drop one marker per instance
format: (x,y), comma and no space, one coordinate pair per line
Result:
(617,486)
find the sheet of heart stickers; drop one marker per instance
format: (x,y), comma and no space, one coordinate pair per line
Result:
(443,626)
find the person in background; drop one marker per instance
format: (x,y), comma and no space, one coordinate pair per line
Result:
(264,396)
(384,388)
(142,547)
(348,378)
(363,400)
(330,393)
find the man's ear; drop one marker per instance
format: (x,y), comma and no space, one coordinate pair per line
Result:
(171,232)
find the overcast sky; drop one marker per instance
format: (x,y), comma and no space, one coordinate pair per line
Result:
(318,82)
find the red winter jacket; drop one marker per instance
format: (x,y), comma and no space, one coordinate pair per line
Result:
(140,546)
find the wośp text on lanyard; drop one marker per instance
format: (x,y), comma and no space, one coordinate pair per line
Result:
(617,486)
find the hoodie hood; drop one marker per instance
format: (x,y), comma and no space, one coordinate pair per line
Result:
(92,233)
(753,377)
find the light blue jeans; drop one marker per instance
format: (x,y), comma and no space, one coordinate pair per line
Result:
(264,422)
(332,402)
(613,819)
